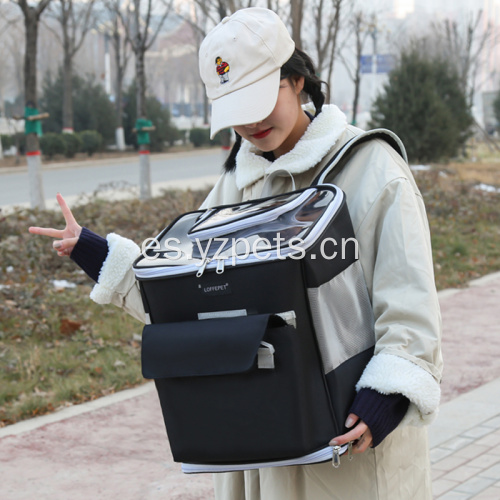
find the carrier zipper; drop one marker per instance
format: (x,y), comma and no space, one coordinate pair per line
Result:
(349,451)
(203,266)
(220,266)
(336,457)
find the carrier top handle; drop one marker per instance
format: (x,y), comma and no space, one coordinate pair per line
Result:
(342,156)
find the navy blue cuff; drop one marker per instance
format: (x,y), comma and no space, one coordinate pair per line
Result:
(90,252)
(382,413)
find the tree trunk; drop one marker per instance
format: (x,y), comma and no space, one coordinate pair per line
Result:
(357,83)
(120,70)
(145,168)
(31,20)
(119,99)
(30,55)
(119,78)
(67,93)
(140,76)
(119,134)
(296,8)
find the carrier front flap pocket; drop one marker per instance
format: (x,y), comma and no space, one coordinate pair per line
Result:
(205,347)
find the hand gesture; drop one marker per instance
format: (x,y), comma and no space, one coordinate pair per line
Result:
(361,435)
(67,237)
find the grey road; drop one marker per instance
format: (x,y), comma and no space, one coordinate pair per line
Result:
(88,177)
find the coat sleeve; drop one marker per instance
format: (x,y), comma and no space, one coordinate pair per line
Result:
(116,283)
(407,356)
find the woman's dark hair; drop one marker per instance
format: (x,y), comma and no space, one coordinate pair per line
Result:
(300,64)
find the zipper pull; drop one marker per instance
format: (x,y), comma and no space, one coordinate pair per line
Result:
(220,266)
(349,451)
(336,457)
(202,268)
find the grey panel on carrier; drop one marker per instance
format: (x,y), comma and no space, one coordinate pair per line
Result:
(343,317)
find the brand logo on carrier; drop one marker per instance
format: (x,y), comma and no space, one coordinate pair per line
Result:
(215,288)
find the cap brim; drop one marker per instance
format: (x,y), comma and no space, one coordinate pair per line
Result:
(249,104)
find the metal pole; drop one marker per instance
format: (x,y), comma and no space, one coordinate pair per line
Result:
(35,180)
(145,172)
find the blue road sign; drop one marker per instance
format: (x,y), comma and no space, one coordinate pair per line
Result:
(385,63)
(366,64)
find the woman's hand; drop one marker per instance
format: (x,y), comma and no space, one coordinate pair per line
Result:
(361,435)
(67,237)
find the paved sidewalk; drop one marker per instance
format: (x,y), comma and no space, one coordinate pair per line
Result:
(465,446)
(115,447)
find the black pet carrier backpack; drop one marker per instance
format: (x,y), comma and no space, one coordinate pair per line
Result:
(260,325)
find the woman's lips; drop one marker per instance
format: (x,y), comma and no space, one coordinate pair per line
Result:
(261,135)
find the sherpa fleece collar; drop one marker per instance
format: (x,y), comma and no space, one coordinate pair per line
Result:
(318,139)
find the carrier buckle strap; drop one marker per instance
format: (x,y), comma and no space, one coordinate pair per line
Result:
(265,356)
(339,159)
(289,317)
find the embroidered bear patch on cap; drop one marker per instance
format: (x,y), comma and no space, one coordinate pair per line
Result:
(222,69)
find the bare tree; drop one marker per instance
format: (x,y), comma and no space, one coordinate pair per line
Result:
(75,20)
(116,32)
(141,36)
(141,33)
(359,28)
(32,14)
(464,45)
(326,16)
(296,16)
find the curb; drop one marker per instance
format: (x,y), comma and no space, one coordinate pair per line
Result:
(73,411)
(125,194)
(483,280)
(106,161)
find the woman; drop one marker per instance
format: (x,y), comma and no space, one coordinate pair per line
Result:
(265,78)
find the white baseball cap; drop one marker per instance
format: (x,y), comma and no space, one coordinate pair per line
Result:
(240,62)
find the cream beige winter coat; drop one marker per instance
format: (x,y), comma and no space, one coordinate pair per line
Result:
(390,224)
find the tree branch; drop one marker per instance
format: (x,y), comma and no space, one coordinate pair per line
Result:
(160,24)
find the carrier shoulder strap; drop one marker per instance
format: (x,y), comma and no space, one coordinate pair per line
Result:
(338,161)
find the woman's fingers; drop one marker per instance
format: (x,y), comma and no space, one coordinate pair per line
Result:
(72,228)
(363,443)
(46,231)
(352,435)
(68,215)
(360,434)
(65,247)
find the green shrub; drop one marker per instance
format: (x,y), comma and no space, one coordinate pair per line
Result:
(91,141)
(199,137)
(92,109)
(73,144)
(217,140)
(19,140)
(52,144)
(425,105)
(6,141)
(174,134)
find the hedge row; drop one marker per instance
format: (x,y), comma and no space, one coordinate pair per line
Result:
(87,141)
(7,141)
(201,137)
(90,141)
